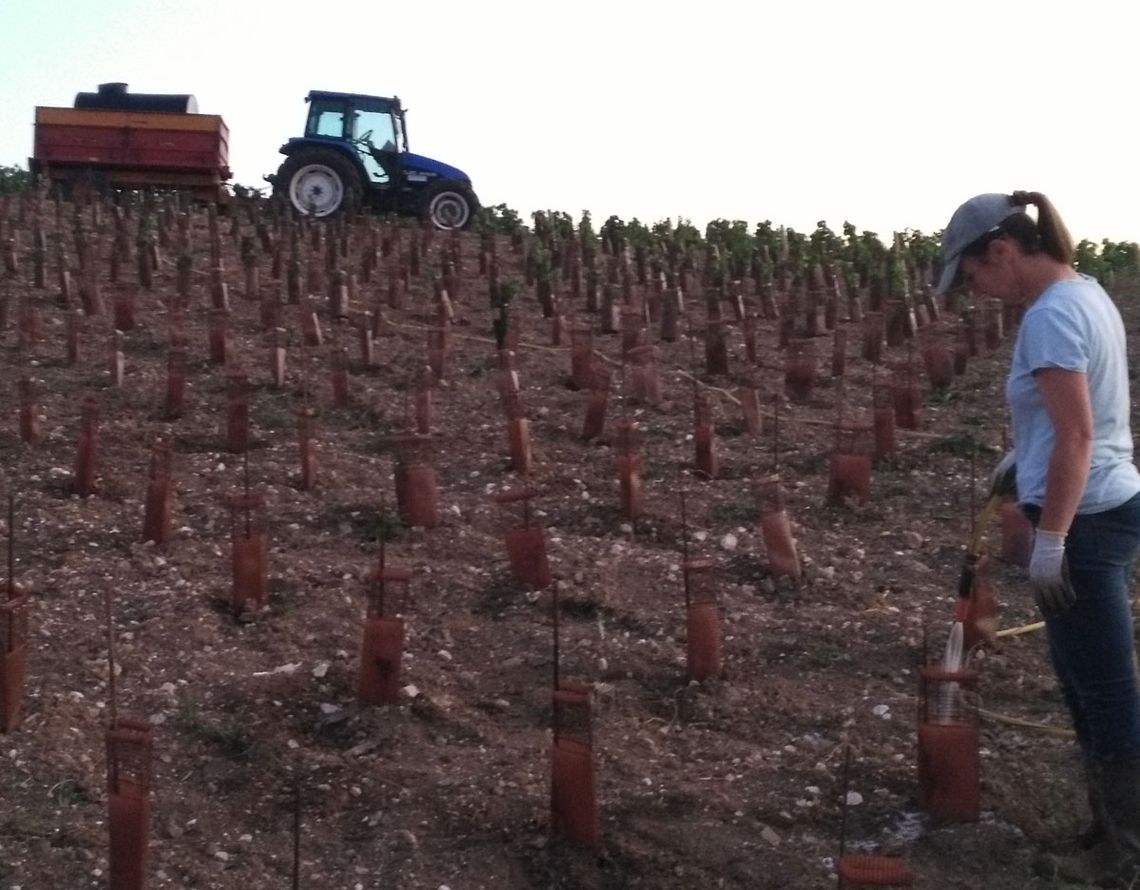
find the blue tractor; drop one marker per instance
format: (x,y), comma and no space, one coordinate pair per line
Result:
(355,153)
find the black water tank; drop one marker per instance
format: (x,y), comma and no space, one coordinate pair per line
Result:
(114,97)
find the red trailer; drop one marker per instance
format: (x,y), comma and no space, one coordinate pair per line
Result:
(113,138)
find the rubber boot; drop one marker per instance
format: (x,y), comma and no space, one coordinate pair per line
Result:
(1095,833)
(1113,862)
(1118,856)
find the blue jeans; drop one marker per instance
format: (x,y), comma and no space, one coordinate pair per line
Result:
(1091,645)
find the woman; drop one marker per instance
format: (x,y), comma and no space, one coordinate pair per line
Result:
(1076,481)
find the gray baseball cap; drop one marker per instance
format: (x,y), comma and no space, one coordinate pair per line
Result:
(978,216)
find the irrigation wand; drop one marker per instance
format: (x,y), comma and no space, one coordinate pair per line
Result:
(978,526)
(10,632)
(11,547)
(692,354)
(296,834)
(685,547)
(1019,631)
(381,533)
(245,484)
(840,406)
(556,654)
(776,435)
(110,657)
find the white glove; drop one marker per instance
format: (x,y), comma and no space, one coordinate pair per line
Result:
(1003,480)
(1049,573)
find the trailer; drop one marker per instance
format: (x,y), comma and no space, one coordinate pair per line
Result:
(116,139)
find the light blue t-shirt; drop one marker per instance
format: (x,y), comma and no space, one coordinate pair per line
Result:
(1073,325)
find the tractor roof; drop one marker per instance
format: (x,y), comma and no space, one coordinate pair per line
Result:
(393,101)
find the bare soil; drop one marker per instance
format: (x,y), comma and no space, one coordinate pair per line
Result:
(731,783)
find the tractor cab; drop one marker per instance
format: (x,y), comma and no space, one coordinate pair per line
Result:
(373,125)
(355,150)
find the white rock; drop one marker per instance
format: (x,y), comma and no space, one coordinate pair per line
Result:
(728,542)
(321,669)
(280,669)
(854,798)
(881,710)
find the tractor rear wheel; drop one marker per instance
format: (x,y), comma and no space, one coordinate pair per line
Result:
(449,205)
(319,182)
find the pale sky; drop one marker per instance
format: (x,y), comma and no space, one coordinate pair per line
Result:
(887,114)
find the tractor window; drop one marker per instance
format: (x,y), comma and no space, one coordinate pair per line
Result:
(326,120)
(374,129)
(375,136)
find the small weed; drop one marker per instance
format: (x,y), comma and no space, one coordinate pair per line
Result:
(807,463)
(944,396)
(114,489)
(196,442)
(652,470)
(366,521)
(478,369)
(959,444)
(823,654)
(730,429)
(496,597)
(591,610)
(230,734)
(736,512)
(271,415)
(69,793)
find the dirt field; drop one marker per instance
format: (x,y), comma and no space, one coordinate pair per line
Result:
(731,783)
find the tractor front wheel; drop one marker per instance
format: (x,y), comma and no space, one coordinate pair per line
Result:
(319,183)
(449,205)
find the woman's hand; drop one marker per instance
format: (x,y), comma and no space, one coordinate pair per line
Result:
(1048,574)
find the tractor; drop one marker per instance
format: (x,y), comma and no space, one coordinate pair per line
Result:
(355,153)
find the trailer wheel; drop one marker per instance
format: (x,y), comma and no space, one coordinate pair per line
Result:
(449,205)
(319,182)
